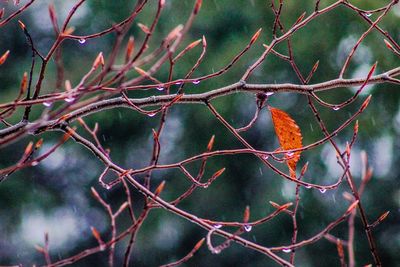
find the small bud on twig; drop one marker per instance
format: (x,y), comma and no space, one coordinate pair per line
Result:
(197,6)
(130,47)
(98,61)
(211,143)
(246,215)
(4,57)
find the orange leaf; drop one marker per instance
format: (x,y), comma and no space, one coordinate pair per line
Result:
(289,136)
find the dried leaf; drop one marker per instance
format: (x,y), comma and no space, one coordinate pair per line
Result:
(289,136)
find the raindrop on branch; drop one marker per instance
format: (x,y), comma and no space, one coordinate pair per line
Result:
(336,108)
(217,226)
(269,93)
(82,41)
(286,250)
(47,104)
(196,82)
(248,228)
(322,190)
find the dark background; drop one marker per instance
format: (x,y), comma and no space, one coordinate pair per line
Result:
(55,195)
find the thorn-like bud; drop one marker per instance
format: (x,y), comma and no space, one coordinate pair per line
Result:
(348,196)
(130,47)
(24,83)
(39,143)
(28,148)
(339,246)
(304,169)
(94,192)
(144,28)
(300,18)
(366,102)
(255,36)
(98,61)
(197,7)
(96,235)
(69,30)
(356,127)
(246,215)
(68,86)
(211,143)
(199,244)
(4,57)
(193,44)
(383,216)
(315,67)
(141,71)
(217,174)
(389,45)
(352,206)
(159,189)
(348,150)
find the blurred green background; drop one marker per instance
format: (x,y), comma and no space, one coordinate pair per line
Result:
(55,195)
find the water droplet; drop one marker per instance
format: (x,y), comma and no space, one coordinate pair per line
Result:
(248,228)
(269,93)
(287,250)
(34,163)
(178,83)
(160,88)
(216,251)
(69,99)
(107,186)
(151,114)
(47,104)
(368,14)
(265,156)
(289,154)
(322,190)
(102,247)
(336,108)
(196,82)
(82,41)
(217,226)
(308,186)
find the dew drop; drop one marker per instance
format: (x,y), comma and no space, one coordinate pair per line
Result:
(47,104)
(216,251)
(34,163)
(102,247)
(266,157)
(82,41)
(286,250)
(151,114)
(322,190)
(108,187)
(196,82)
(217,226)
(335,108)
(308,186)
(69,99)
(368,14)
(248,228)
(289,154)
(160,88)
(178,83)
(269,93)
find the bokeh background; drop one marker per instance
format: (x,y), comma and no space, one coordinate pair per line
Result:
(55,196)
